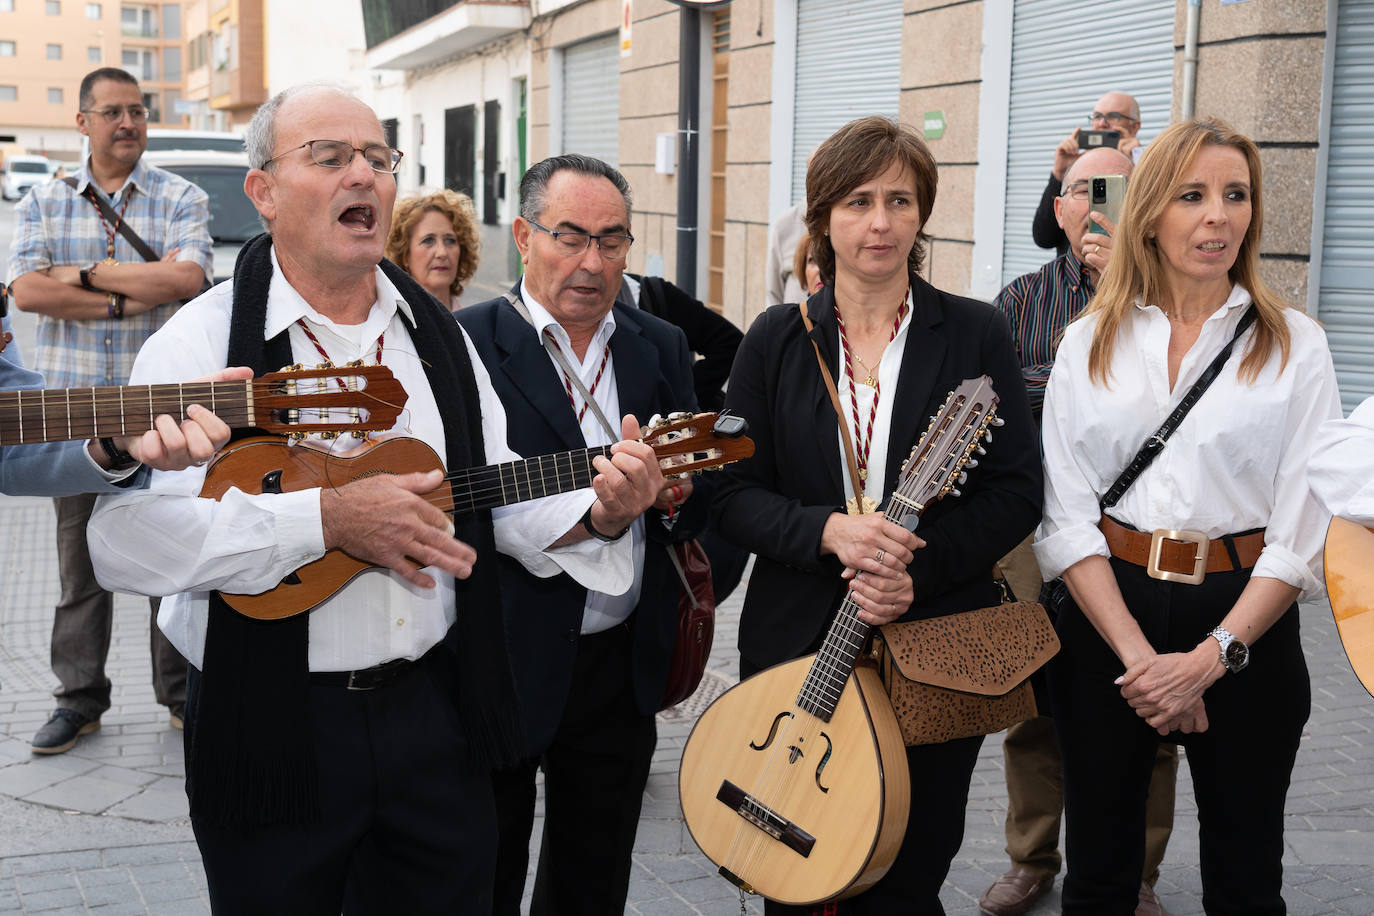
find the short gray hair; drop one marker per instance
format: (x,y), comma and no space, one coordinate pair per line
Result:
(534,186)
(260,137)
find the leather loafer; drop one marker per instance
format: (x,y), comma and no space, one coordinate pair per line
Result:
(1015,892)
(58,735)
(1148,904)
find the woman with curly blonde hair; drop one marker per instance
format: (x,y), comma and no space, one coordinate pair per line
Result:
(434,238)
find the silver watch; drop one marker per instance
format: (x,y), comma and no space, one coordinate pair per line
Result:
(1235,654)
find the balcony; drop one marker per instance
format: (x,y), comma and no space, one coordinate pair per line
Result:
(408,34)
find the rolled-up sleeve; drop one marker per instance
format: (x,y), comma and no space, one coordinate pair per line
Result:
(1341,470)
(1068,530)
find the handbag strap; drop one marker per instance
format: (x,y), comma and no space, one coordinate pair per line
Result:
(556,352)
(108,213)
(1155,444)
(839,411)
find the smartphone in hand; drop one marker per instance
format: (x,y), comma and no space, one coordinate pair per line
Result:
(1107,194)
(1097,139)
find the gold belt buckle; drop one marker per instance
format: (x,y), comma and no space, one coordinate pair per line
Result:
(1181,535)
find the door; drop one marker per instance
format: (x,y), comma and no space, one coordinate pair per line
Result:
(492,192)
(460,148)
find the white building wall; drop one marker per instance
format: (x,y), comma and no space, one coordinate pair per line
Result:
(314,40)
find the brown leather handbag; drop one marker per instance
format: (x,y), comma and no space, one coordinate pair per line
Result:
(965,674)
(696,623)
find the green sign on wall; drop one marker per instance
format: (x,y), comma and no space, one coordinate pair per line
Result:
(934,125)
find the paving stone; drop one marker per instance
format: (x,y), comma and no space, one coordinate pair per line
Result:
(83,793)
(107,894)
(51,900)
(49,881)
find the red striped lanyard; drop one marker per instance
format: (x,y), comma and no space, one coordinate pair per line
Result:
(111,230)
(863,444)
(319,348)
(567,382)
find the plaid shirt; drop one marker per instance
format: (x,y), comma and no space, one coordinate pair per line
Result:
(1039,306)
(55,225)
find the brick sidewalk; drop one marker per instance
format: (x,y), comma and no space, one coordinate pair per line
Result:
(103,828)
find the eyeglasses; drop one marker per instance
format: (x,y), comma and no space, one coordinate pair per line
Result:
(613,247)
(337,154)
(1112,117)
(1078,191)
(114,114)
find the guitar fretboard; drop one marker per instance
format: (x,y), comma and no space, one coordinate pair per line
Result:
(57,414)
(517,481)
(843,643)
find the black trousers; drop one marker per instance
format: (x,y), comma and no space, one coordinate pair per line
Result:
(1241,766)
(594,776)
(940,777)
(403,829)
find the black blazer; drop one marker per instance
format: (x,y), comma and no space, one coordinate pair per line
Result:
(777,502)
(543,616)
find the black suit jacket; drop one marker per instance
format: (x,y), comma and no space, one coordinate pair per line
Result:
(543,616)
(777,502)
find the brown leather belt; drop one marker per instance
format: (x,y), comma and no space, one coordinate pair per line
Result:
(1182,555)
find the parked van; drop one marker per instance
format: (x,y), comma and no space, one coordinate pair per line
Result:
(21,172)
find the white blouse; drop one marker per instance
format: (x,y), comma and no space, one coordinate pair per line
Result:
(889,368)
(1342,468)
(1237,462)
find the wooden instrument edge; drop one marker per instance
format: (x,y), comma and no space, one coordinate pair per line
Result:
(1348,557)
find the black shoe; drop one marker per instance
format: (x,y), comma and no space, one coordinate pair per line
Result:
(61,731)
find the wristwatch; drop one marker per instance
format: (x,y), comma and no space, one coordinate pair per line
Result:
(1235,654)
(587,523)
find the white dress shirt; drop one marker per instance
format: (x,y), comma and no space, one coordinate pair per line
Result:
(169,541)
(1237,462)
(1341,471)
(889,369)
(602,611)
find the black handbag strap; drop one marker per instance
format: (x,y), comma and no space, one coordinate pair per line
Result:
(1155,444)
(132,237)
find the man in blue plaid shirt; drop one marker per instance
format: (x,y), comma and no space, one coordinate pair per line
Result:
(98,300)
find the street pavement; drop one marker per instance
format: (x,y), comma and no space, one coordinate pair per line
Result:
(104,829)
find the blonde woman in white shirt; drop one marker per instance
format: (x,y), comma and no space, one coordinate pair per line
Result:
(1147,657)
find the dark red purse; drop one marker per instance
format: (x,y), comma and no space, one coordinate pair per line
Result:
(696,622)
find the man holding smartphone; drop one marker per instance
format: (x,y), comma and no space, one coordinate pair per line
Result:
(1115,111)
(1039,305)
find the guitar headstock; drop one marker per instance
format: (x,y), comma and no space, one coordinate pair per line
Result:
(684,443)
(936,466)
(296,401)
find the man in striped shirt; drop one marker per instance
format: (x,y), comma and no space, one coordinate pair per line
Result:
(98,300)
(1039,305)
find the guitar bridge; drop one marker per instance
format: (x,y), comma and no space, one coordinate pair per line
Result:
(764,818)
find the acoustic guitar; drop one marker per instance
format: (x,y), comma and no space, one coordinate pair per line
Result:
(1350,585)
(683,443)
(294,402)
(795,781)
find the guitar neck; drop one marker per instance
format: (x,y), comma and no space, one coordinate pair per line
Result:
(844,642)
(518,481)
(59,414)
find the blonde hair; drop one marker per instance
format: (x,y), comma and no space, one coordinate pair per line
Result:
(461,214)
(1136,273)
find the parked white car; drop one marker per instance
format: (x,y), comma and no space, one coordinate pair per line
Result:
(21,172)
(167,138)
(233,220)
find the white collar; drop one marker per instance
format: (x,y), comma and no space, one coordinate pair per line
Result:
(541,319)
(285,305)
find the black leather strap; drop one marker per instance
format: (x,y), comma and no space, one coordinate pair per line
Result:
(1155,444)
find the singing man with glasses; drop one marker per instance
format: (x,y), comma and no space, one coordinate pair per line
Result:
(339,760)
(1114,111)
(1038,306)
(590,667)
(98,299)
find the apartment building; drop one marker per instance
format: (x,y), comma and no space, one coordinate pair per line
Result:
(47,46)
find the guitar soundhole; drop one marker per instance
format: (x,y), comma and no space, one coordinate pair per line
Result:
(773,733)
(825,758)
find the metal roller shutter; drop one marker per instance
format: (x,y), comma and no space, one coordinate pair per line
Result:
(1062,61)
(849,61)
(591,98)
(1346,297)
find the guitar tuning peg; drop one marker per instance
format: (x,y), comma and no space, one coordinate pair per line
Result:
(326,364)
(678,415)
(656,421)
(971,463)
(980,450)
(962,478)
(987,435)
(954,491)
(997,421)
